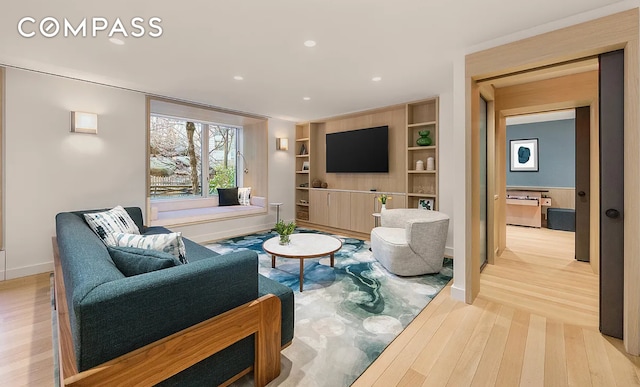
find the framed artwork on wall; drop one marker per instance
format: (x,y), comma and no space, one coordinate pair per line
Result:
(524,155)
(425,204)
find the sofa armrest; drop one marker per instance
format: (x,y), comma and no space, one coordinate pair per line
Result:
(123,315)
(158,361)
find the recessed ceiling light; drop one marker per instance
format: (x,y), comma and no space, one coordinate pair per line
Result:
(238,78)
(376,79)
(310,43)
(117,41)
(306,98)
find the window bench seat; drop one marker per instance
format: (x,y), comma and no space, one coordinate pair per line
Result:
(201,211)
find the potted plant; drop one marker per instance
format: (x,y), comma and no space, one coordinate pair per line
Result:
(383,199)
(285,230)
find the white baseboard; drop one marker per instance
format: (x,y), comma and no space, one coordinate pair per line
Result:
(448,252)
(26,271)
(204,238)
(457,293)
(3,264)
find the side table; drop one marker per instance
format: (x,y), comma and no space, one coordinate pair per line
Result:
(277,205)
(376,217)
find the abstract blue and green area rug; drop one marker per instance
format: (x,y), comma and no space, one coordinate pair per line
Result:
(347,315)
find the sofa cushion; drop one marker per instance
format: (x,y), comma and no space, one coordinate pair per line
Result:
(169,243)
(134,261)
(391,235)
(228,197)
(105,223)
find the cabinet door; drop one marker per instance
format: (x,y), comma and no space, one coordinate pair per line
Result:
(363,205)
(318,207)
(339,210)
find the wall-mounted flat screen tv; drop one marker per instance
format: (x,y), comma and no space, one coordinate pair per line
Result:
(358,151)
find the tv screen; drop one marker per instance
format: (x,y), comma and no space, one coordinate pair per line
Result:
(358,151)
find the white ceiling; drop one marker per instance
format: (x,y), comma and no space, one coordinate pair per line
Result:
(409,43)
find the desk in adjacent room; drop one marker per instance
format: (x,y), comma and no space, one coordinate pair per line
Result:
(524,207)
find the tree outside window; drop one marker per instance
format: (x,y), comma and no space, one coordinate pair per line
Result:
(178,159)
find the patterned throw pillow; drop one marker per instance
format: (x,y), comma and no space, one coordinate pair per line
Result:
(169,243)
(134,261)
(244,196)
(104,224)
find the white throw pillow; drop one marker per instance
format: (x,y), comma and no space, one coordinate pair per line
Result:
(244,196)
(104,224)
(169,243)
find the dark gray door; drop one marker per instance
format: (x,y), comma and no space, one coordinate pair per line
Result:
(483,182)
(583,180)
(611,99)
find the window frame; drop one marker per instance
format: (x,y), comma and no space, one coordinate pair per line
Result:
(205,133)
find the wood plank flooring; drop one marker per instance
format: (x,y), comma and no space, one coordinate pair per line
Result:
(535,323)
(26,351)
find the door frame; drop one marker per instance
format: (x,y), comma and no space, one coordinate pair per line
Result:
(609,33)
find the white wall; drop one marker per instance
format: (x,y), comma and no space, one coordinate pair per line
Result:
(446,159)
(281,189)
(48,169)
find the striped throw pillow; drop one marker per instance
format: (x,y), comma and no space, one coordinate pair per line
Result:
(244,196)
(104,224)
(169,243)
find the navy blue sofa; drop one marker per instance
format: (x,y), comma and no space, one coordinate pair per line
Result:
(111,315)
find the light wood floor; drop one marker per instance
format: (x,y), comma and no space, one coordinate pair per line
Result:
(533,324)
(26,352)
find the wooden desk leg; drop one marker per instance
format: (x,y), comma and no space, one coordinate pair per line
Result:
(301,273)
(332,256)
(273,261)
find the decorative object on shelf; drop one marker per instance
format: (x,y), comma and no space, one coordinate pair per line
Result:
(316,183)
(304,185)
(305,165)
(424,139)
(303,150)
(303,201)
(324,184)
(420,165)
(524,155)
(285,230)
(431,164)
(425,204)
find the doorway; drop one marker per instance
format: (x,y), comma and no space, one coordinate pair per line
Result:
(560,46)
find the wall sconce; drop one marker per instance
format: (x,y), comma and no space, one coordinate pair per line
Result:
(84,122)
(244,162)
(282,144)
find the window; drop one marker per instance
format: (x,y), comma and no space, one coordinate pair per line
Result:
(190,158)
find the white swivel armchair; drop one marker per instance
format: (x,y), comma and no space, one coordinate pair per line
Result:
(410,241)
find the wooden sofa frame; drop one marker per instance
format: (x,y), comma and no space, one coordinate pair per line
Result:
(164,358)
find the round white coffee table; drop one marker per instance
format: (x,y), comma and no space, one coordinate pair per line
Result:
(302,246)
